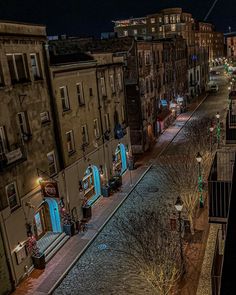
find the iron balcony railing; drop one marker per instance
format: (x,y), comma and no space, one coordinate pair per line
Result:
(219,185)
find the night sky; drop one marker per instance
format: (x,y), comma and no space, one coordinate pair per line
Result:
(91,17)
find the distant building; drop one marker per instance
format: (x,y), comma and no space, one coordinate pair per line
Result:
(231,45)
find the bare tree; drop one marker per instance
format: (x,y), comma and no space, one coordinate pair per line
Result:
(179,176)
(148,246)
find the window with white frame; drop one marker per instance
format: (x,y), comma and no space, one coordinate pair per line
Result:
(153,29)
(17,64)
(70,142)
(103,86)
(96,128)
(52,163)
(35,65)
(166,19)
(160,19)
(3,140)
(173,27)
(160,29)
(135,32)
(107,122)
(80,93)
(126,33)
(12,195)
(153,20)
(23,123)
(64,98)
(112,83)
(85,139)
(44,117)
(119,78)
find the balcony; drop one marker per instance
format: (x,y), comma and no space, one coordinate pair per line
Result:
(219,186)
(11,158)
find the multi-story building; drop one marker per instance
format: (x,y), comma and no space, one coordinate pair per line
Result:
(89,102)
(206,37)
(26,141)
(231,45)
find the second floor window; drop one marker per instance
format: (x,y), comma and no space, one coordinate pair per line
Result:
(70,142)
(3,140)
(35,65)
(80,93)
(119,78)
(85,139)
(103,86)
(107,122)
(96,128)
(147,57)
(112,83)
(64,98)
(52,163)
(24,125)
(12,196)
(17,64)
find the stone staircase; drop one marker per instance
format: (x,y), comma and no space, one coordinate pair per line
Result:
(51,242)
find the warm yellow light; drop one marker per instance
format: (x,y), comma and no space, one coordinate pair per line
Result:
(39,180)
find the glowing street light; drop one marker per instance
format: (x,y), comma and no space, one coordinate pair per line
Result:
(218,129)
(200,190)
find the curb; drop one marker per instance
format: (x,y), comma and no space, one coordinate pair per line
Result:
(119,205)
(99,230)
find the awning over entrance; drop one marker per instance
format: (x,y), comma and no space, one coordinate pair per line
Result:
(91,184)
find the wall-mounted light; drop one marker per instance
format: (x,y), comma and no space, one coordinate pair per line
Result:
(39,179)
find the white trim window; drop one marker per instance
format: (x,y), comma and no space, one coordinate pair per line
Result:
(80,93)
(12,196)
(35,65)
(44,117)
(52,163)
(3,140)
(103,86)
(126,33)
(70,142)
(153,29)
(85,138)
(119,79)
(64,98)
(17,64)
(107,122)
(23,125)
(96,128)
(135,31)
(112,83)
(153,20)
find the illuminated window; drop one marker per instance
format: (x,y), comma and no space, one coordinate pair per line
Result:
(126,33)
(135,32)
(173,27)
(160,19)
(166,19)
(153,29)
(153,20)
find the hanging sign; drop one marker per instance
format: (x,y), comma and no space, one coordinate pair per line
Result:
(49,189)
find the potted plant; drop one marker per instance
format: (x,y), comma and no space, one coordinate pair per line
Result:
(37,257)
(68,223)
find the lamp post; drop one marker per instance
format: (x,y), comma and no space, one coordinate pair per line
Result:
(218,129)
(179,208)
(211,132)
(199,160)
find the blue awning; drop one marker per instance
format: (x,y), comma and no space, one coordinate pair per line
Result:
(163,102)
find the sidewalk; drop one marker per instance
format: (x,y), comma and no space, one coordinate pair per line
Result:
(43,281)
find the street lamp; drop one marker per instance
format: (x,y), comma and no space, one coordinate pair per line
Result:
(218,129)
(199,160)
(211,132)
(179,208)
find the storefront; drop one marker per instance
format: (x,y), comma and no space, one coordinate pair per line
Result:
(120,160)
(91,185)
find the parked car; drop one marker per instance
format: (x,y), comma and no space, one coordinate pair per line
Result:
(212,87)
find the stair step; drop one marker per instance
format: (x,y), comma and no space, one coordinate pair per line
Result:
(54,243)
(56,248)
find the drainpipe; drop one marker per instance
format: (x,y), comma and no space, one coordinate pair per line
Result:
(54,111)
(100,115)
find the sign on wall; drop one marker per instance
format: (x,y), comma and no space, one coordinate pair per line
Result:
(49,189)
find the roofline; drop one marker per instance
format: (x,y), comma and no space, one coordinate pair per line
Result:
(20,23)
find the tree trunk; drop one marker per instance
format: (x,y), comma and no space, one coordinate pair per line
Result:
(191,223)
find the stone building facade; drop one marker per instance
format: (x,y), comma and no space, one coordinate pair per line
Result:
(26,137)
(89,98)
